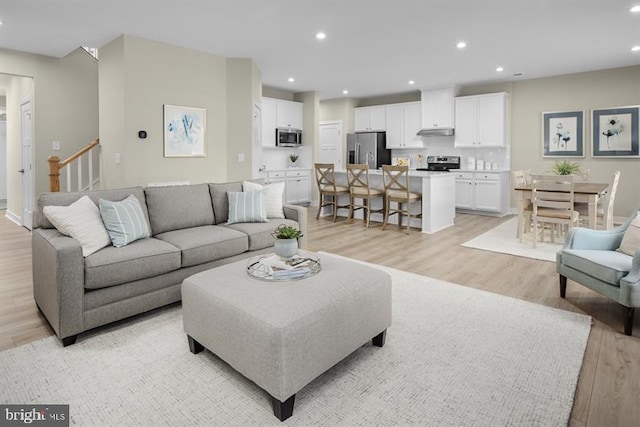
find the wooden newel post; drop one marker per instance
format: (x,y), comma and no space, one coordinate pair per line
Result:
(54,173)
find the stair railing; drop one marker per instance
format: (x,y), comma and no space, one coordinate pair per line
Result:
(55,165)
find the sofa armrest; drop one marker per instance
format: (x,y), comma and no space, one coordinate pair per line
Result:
(299,214)
(58,280)
(586,238)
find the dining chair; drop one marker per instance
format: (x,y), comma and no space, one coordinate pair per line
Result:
(552,197)
(604,214)
(520,178)
(329,192)
(396,190)
(359,188)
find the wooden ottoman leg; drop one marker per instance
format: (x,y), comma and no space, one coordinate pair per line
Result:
(378,340)
(194,345)
(563,286)
(283,410)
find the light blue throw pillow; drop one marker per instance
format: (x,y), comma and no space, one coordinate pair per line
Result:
(124,220)
(248,206)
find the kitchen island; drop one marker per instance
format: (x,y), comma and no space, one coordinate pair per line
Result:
(438,191)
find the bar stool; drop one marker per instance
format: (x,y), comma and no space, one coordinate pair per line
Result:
(358,177)
(326,180)
(396,187)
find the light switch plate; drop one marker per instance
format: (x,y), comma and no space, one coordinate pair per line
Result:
(116,158)
(241,157)
(55,145)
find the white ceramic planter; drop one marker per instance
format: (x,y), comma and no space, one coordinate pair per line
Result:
(286,248)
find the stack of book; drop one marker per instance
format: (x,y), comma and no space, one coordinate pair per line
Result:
(293,268)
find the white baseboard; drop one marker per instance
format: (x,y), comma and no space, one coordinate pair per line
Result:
(13,217)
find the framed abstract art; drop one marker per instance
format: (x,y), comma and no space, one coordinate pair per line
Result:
(615,132)
(563,134)
(184,131)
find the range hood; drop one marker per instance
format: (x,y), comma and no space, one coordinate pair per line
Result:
(436,132)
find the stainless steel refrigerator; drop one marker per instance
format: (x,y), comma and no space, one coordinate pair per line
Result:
(369,148)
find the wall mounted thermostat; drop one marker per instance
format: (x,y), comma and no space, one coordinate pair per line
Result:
(142,134)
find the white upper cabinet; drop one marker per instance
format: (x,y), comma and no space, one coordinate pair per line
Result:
(289,114)
(370,119)
(278,113)
(481,121)
(437,108)
(403,124)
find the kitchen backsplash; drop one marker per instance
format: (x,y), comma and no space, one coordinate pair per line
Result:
(443,146)
(278,158)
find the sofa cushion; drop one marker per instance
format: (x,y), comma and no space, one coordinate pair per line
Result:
(606,266)
(260,233)
(80,220)
(124,220)
(207,243)
(65,199)
(220,200)
(274,196)
(177,207)
(247,206)
(141,259)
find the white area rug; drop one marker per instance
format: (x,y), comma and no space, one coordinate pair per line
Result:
(455,356)
(503,239)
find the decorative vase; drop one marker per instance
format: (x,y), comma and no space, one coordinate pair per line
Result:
(286,248)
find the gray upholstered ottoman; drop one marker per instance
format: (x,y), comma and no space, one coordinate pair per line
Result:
(282,335)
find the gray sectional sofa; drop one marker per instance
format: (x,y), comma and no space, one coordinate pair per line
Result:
(189,234)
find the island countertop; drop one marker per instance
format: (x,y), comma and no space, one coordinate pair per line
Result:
(438,197)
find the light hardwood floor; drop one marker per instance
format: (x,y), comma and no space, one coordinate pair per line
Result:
(608,392)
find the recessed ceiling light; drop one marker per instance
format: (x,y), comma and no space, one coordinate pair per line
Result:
(461,45)
(635,9)
(635,49)
(291,79)
(321,36)
(344,92)
(411,82)
(499,69)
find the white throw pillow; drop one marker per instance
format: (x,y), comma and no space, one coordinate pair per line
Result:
(274,196)
(247,206)
(80,220)
(631,239)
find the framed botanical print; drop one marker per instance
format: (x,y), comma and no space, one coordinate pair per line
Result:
(615,132)
(563,134)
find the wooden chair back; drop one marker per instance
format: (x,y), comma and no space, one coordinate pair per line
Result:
(325,177)
(518,178)
(396,179)
(552,192)
(358,178)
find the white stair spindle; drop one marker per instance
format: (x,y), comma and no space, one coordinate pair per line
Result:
(80,173)
(69,177)
(90,158)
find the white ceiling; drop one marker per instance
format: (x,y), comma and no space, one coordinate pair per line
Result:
(373,47)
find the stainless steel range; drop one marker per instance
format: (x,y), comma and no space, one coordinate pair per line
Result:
(441,163)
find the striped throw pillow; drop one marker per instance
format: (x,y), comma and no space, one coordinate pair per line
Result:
(124,220)
(248,206)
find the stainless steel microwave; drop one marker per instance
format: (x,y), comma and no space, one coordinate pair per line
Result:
(288,137)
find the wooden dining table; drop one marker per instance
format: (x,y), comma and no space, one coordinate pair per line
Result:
(583,192)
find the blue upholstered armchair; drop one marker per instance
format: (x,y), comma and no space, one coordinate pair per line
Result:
(589,257)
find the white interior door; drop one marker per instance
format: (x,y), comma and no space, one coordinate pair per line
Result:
(331,147)
(27,164)
(256,156)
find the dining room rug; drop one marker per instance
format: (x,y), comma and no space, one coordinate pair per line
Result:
(453,356)
(503,239)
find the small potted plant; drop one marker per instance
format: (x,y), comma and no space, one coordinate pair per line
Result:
(293,158)
(566,167)
(286,244)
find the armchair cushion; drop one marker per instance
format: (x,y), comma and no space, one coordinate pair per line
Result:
(631,239)
(607,266)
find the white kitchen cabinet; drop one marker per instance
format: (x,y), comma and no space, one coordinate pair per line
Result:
(403,124)
(278,113)
(437,108)
(370,119)
(481,121)
(482,191)
(297,187)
